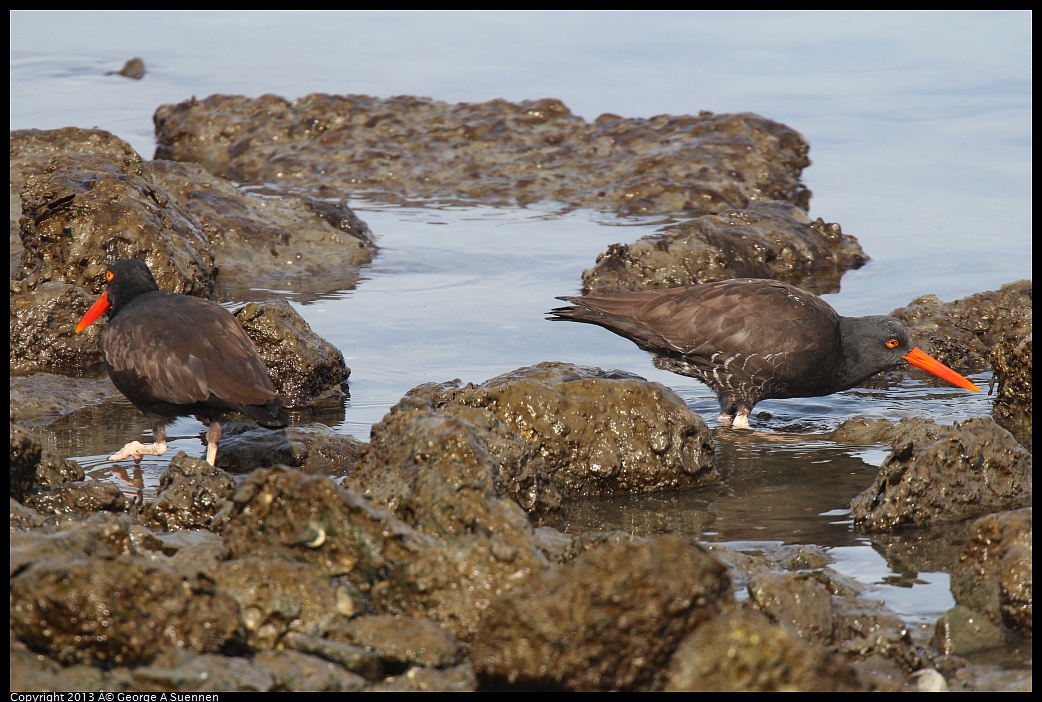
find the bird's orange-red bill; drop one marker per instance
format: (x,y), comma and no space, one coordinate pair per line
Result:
(96,310)
(920,360)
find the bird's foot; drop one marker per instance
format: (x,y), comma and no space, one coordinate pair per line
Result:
(736,421)
(138,450)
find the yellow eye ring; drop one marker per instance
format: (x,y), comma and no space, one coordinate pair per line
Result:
(892,343)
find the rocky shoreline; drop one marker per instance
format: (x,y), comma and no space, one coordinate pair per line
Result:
(431,557)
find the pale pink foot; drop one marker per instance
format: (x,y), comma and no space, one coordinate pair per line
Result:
(213,437)
(138,450)
(738,421)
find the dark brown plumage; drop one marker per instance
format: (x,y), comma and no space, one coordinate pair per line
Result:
(175,355)
(752,339)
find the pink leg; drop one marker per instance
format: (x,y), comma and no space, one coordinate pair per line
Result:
(213,437)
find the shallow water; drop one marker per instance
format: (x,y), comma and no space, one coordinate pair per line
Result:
(920,133)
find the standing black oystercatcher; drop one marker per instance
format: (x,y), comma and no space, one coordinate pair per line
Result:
(175,355)
(751,340)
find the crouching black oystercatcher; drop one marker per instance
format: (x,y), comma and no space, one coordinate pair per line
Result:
(751,340)
(175,355)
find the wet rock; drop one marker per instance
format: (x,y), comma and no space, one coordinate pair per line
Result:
(118,611)
(416,148)
(545,430)
(1011,360)
(188,671)
(190,494)
(52,485)
(961,631)
(994,677)
(43,337)
(98,536)
(764,240)
(869,633)
(742,651)
(25,458)
(89,209)
(993,576)
(276,597)
(458,678)
(598,432)
(134,69)
(23,517)
(299,672)
(584,540)
(314,449)
(866,431)
(32,672)
(822,607)
(456,582)
(302,365)
(438,473)
(33,149)
(798,602)
(281,513)
(946,474)
(435,473)
(301,243)
(54,471)
(401,642)
(42,398)
(80,496)
(555,545)
(609,620)
(799,556)
(353,658)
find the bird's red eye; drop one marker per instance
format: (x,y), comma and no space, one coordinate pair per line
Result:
(109,275)
(892,343)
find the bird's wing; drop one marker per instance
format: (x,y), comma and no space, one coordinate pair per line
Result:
(184,350)
(774,324)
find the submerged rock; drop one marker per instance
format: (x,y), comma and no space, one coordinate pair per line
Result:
(291,242)
(413,148)
(763,240)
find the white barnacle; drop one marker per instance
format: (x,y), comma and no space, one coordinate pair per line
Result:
(317,534)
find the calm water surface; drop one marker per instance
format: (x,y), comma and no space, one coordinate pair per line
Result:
(920,133)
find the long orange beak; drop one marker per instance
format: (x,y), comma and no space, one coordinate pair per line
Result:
(920,360)
(99,308)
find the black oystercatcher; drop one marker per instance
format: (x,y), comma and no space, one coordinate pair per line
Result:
(751,340)
(175,355)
